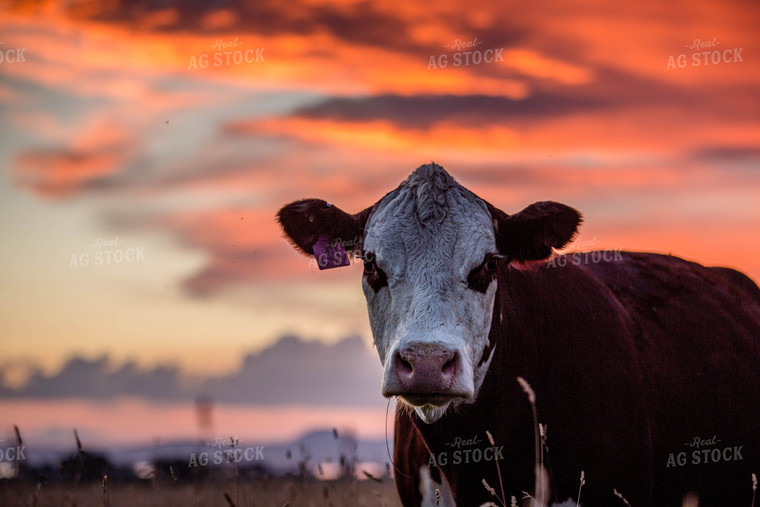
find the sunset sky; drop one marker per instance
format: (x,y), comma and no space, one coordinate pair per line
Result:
(125,128)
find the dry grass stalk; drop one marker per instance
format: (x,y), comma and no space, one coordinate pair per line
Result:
(583,481)
(233,444)
(20,443)
(539,486)
(79,442)
(503,497)
(106,503)
(36,496)
(489,488)
(80,459)
(370,476)
(620,496)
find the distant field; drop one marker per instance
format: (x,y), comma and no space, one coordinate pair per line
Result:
(270,493)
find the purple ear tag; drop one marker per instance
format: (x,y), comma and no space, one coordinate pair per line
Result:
(330,255)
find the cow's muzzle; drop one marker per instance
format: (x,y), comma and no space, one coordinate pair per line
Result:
(426,374)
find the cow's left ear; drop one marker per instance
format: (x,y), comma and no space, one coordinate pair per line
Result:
(304,221)
(533,232)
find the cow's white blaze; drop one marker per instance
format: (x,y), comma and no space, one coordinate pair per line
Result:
(426,236)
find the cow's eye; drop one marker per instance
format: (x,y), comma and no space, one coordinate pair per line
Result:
(481,276)
(372,273)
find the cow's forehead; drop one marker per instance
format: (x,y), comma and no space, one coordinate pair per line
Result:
(430,216)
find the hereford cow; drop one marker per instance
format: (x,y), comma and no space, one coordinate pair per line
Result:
(644,368)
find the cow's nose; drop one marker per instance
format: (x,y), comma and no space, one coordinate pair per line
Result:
(426,369)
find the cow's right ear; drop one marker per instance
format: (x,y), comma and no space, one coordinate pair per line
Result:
(533,232)
(306,220)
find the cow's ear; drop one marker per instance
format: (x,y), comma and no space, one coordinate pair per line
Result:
(304,221)
(533,232)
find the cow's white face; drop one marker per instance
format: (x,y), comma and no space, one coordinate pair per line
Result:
(431,249)
(422,243)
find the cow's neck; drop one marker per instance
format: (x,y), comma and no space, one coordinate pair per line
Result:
(501,408)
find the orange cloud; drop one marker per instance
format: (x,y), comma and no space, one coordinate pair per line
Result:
(98,152)
(382,135)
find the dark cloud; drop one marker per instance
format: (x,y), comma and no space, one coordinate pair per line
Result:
(294,371)
(357,24)
(611,91)
(93,378)
(422,111)
(291,371)
(363,23)
(728,154)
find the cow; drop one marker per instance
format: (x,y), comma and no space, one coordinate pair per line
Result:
(518,371)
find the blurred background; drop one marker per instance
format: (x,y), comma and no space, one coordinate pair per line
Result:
(146,293)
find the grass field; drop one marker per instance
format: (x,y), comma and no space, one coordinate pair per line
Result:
(266,493)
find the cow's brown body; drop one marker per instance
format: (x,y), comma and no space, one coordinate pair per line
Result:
(631,361)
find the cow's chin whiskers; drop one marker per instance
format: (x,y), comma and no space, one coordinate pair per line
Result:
(430,414)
